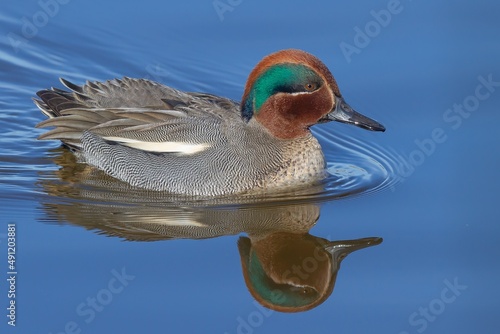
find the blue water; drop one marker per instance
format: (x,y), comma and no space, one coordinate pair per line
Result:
(427,186)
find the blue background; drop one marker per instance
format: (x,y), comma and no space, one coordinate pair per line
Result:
(439,222)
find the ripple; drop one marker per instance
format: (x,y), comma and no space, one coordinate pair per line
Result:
(355,166)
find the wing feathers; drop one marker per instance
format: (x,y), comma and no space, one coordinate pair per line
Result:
(151,116)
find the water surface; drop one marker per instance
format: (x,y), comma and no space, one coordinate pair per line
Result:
(421,196)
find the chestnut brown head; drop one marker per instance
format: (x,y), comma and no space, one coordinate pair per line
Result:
(291,90)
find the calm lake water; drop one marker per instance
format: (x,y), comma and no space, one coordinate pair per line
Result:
(416,208)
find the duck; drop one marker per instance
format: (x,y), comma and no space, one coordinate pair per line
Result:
(158,138)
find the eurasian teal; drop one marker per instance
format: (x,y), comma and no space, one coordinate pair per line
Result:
(159,138)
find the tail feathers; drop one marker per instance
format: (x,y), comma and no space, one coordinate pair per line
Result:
(55,103)
(72,86)
(44,108)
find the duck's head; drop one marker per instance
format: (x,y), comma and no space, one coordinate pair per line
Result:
(290,90)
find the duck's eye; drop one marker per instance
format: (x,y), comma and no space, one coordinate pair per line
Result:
(310,87)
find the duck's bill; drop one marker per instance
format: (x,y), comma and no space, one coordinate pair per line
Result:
(345,114)
(352,245)
(340,249)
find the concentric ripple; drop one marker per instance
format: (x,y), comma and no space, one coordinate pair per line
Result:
(354,166)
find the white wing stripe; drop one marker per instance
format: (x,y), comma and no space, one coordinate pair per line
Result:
(160,147)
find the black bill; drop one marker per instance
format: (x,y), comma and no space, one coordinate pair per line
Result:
(345,114)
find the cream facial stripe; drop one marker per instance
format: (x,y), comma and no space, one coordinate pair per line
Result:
(299,93)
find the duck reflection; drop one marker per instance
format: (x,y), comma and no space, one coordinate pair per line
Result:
(284,267)
(291,272)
